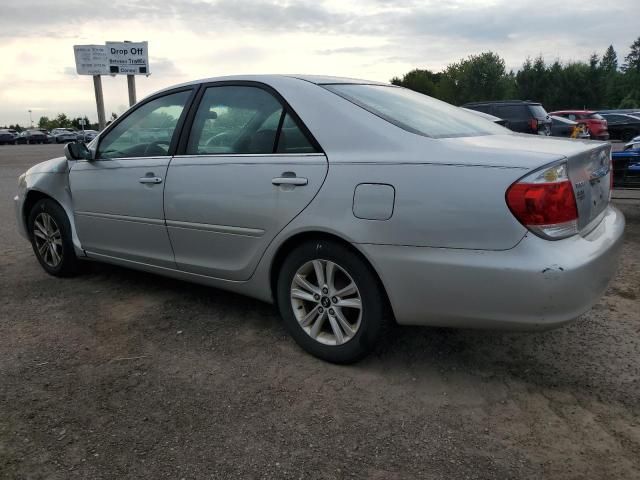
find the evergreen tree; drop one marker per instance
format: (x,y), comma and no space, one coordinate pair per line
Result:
(632,61)
(609,62)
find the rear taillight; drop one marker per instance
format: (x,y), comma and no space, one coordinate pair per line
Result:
(544,202)
(533,123)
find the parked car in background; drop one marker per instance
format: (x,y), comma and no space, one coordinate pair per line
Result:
(63,135)
(626,167)
(521,116)
(622,126)
(50,138)
(563,127)
(633,144)
(343,202)
(31,136)
(86,135)
(7,137)
(487,116)
(595,122)
(629,111)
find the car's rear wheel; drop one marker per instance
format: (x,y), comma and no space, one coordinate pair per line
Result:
(331,301)
(50,234)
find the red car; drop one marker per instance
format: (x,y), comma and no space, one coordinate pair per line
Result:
(596,123)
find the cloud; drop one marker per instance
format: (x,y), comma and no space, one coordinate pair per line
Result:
(164,67)
(374,39)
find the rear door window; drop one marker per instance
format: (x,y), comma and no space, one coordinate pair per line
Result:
(511,112)
(616,118)
(235,120)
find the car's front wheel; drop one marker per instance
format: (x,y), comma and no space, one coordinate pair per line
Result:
(331,301)
(50,234)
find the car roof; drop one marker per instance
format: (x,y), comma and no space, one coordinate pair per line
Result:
(504,102)
(270,78)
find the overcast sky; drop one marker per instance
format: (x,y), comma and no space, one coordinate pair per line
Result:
(374,39)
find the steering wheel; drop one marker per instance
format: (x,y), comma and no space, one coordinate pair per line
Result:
(149,149)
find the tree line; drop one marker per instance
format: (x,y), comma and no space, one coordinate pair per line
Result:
(598,83)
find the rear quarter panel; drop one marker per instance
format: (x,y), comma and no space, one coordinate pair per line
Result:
(436,205)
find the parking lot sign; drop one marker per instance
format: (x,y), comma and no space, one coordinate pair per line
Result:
(91,59)
(128,58)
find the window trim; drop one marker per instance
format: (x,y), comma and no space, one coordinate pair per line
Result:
(286,109)
(176,133)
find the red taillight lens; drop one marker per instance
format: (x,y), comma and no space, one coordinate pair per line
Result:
(544,203)
(533,123)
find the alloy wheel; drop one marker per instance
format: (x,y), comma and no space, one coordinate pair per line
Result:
(326,302)
(48,239)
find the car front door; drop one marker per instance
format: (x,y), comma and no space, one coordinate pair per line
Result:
(118,197)
(248,167)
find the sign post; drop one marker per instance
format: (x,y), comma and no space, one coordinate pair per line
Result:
(97,86)
(113,58)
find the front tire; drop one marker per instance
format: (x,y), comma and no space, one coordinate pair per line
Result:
(50,234)
(331,301)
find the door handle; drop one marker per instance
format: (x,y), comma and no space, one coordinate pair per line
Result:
(153,180)
(299,181)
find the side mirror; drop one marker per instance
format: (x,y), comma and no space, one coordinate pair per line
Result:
(77,151)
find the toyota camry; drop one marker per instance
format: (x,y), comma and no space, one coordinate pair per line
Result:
(349,204)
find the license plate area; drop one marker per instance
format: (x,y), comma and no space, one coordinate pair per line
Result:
(590,174)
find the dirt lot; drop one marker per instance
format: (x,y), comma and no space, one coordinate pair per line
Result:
(119,374)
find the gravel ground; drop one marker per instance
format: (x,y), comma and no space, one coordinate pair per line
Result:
(121,374)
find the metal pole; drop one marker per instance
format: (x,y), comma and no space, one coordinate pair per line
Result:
(131,84)
(97,86)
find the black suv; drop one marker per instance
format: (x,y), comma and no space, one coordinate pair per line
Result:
(521,115)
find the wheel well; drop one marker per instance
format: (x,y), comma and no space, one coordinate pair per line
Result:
(301,238)
(33,197)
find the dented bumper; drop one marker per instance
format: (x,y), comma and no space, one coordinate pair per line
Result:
(537,284)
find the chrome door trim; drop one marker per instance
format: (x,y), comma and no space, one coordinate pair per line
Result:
(122,218)
(228,229)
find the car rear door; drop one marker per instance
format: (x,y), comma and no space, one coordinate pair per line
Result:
(248,166)
(118,197)
(516,115)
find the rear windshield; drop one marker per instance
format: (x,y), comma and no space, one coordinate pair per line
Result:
(538,111)
(595,116)
(415,112)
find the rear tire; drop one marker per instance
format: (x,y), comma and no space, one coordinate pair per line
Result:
(331,301)
(50,233)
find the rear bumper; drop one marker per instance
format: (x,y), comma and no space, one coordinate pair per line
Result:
(536,284)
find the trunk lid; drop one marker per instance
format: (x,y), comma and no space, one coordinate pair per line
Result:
(590,174)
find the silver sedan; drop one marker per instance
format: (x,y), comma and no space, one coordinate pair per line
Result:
(349,204)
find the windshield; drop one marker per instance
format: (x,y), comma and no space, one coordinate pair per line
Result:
(415,112)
